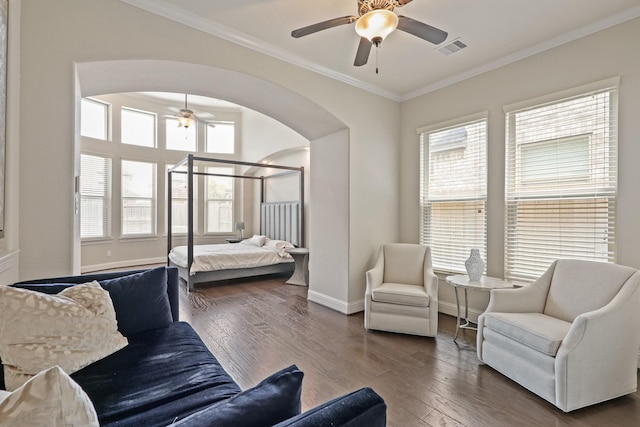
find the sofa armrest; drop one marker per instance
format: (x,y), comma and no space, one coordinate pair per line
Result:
(375,276)
(361,408)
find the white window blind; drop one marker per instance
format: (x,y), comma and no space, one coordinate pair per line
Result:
(179,201)
(95,196)
(219,200)
(454,193)
(561,183)
(138,198)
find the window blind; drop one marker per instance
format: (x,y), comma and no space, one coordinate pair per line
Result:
(454,193)
(561,183)
(138,198)
(219,200)
(179,201)
(95,196)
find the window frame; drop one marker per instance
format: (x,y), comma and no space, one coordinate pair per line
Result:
(154,200)
(579,211)
(107,198)
(458,251)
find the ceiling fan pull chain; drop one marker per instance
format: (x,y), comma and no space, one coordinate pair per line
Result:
(377,48)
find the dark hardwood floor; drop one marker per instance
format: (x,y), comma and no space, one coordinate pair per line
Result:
(257,327)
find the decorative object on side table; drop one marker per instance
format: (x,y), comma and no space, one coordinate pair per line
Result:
(474,265)
(240,226)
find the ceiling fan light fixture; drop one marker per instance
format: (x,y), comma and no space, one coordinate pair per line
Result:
(376,25)
(185,118)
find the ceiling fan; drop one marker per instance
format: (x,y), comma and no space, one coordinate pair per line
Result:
(187,117)
(376,20)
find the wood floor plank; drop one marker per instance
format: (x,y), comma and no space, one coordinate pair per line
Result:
(256,327)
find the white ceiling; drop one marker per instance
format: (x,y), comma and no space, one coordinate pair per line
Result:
(497,32)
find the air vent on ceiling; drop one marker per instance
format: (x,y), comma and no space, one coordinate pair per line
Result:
(452,47)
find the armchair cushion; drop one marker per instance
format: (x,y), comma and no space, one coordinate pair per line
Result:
(537,331)
(400,293)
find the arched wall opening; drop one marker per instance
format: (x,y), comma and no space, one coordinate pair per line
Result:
(327,222)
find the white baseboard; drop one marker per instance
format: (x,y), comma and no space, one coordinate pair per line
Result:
(336,304)
(122,264)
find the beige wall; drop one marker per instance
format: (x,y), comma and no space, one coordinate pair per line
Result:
(612,52)
(55,36)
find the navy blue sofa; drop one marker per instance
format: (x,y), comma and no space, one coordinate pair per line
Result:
(167,376)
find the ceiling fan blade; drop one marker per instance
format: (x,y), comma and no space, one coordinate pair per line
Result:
(362,55)
(422,30)
(305,31)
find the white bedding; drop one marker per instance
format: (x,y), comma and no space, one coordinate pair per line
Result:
(228,256)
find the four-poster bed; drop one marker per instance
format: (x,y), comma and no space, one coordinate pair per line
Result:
(281,224)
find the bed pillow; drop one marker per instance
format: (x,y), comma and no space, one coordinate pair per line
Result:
(256,240)
(50,398)
(280,246)
(140,300)
(274,399)
(71,329)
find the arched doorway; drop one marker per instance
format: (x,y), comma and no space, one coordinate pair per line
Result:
(329,222)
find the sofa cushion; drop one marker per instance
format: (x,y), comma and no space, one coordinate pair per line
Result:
(147,288)
(274,399)
(71,329)
(149,291)
(51,398)
(163,374)
(535,330)
(400,293)
(359,408)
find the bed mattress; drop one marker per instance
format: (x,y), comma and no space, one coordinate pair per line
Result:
(227,256)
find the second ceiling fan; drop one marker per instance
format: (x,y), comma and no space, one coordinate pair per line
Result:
(376,20)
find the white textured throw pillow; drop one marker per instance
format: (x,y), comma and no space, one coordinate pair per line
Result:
(51,399)
(71,329)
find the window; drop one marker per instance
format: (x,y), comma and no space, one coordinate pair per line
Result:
(138,128)
(95,196)
(561,182)
(179,204)
(219,200)
(454,191)
(138,198)
(220,137)
(94,119)
(180,138)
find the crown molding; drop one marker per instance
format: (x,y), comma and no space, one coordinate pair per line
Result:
(594,27)
(176,14)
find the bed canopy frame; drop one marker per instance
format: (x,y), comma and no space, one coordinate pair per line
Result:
(278,220)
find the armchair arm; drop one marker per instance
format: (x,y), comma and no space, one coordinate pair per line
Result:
(375,276)
(528,299)
(597,360)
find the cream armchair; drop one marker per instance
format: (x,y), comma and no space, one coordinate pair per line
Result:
(571,337)
(402,291)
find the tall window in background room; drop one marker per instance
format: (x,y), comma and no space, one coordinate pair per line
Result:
(453,194)
(138,198)
(561,180)
(180,206)
(219,200)
(95,197)
(220,137)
